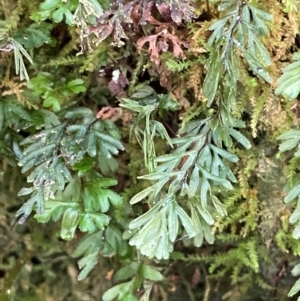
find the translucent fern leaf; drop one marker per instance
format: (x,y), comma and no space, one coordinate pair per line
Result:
(289,81)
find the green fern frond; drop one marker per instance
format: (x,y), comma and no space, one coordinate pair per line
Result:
(64,61)
(291,170)
(236,273)
(263,284)
(219,274)
(230,201)
(229,238)
(280,239)
(72,45)
(195,110)
(178,66)
(197,258)
(251,247)
(134,77)
(257,109)
(12,21)
(93,60)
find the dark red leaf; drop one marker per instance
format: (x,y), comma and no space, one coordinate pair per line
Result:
(164,10)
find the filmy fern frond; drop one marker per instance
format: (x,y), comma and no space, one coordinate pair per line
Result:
(50,152)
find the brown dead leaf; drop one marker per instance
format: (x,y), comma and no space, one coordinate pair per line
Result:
(196,278)
(115,114)
(136,16)
(117,83)
(106,113)
(101,31)
(137,12)
(146,12)
(159,43)
(109,275)
(182,10)
(153,50)
(164,10)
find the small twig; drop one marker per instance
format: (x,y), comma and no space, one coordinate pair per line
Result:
(207,7)
(207,286)
(169,128)
(188,286)
(12,275)
(163,294)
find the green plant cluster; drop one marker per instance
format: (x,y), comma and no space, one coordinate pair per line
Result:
(167,132)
